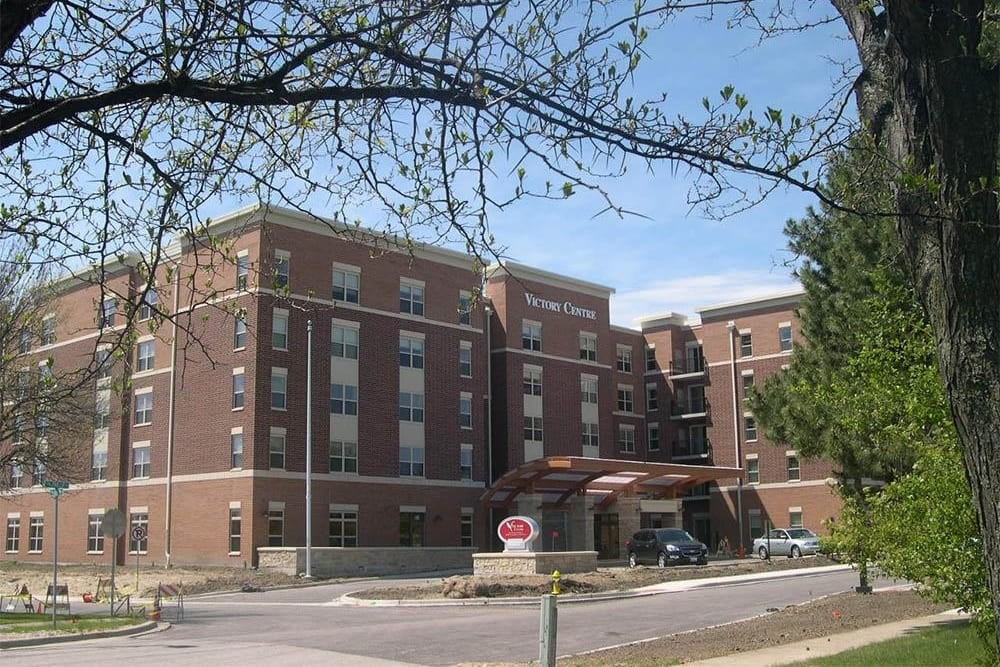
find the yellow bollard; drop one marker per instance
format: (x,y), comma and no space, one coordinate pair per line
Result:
(555,582)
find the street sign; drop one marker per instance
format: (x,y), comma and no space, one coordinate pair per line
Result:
(55,487)
(114,523)
(138,533)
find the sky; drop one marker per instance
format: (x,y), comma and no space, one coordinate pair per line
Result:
(677,258)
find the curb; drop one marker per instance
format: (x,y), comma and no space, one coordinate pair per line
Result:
(141,628)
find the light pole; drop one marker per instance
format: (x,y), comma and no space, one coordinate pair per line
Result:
(56,489)
(309,338)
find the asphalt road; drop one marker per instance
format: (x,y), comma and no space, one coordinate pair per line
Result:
(309,627)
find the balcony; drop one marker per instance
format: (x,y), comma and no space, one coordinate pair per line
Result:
(694,369)
(696,408)
(686,450)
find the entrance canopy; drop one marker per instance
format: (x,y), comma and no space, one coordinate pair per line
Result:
(558,478)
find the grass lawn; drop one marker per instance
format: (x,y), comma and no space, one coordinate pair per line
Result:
(947,645)
(12,624)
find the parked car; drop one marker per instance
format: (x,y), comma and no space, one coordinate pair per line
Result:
(791,542)
(665,546)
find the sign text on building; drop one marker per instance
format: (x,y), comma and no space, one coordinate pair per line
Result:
(567,307)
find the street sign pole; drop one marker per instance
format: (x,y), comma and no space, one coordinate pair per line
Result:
(55,489)
(113,526)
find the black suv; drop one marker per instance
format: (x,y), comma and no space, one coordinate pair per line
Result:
(665,546)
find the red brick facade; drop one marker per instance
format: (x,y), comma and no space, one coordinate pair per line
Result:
(172,396)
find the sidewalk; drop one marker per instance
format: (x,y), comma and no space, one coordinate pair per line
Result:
(831,645)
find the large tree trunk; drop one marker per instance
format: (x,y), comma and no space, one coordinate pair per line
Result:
(934,105)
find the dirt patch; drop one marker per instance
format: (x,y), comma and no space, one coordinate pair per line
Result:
(84,578)
(604,580)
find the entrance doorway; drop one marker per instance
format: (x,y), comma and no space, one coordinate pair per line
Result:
(554,530)
(702,528)
(606,536)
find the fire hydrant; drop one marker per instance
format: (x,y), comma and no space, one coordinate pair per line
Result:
(556,590)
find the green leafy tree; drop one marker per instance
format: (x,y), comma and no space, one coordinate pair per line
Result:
(120,123)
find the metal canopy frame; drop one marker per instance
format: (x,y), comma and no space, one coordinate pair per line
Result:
(558,478)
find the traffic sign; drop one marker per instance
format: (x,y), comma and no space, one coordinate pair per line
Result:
(114,523)
(138,533)
(55,484)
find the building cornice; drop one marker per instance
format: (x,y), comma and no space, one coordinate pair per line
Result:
(524,272)
(782,299)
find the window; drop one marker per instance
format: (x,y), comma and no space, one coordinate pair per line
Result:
(235,529)
(411,529)
(343,528)
(531,336)
(239,388)
(242,270)
(532,381)
(626,438)
(38,473)
(144,409)
(147,308)
(698,443)
(465,307)
(465,523)
(588,347)
(236,450)
(411,299)
(145,356)
(746,345)
(411,352)
(16,475)
(794,517)
(588,389)
(785,337)
(343,399)
(465,462)
(747,385)
(36,534)
(138,520)
(95,536)
(792,465)
(624,358)
(276,526)
(281,268)
(411,407)
(344,342)
(465,410)
(591,437)
(653,437)
(103,363)
(279,388)
(750,427)
(106,318)
(533,429)
(13,543)
(98,466)
(411,461)
(650,358)
(24,341)
(343,456)
(696,399)
(753,471)
(102,410)
(465,359)
(240,330)
(276,449)
(279,329)
(756,524)
(48,330)
(346,285)
(651,397)
(625,399)
(695,359)
(140,461)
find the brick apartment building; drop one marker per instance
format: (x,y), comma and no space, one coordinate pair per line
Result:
(423,395)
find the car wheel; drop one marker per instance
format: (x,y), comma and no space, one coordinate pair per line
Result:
(762,552)
(795,552)
(633,560)
(661,559)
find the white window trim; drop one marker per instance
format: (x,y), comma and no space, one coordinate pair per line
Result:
(344,507)
(413,508)
(752,457)
(349,268)
(143,390)
(412,282)
(346,324)
(412,334)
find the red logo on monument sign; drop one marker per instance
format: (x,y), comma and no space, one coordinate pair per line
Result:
(515,528)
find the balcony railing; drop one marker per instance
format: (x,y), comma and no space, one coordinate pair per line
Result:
(701,449)
(690,409)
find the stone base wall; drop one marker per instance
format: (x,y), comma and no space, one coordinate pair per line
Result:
(534,563)
(365,561)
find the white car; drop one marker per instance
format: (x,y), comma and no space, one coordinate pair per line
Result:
(791,542)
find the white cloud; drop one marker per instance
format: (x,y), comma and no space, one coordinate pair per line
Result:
(685,295)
